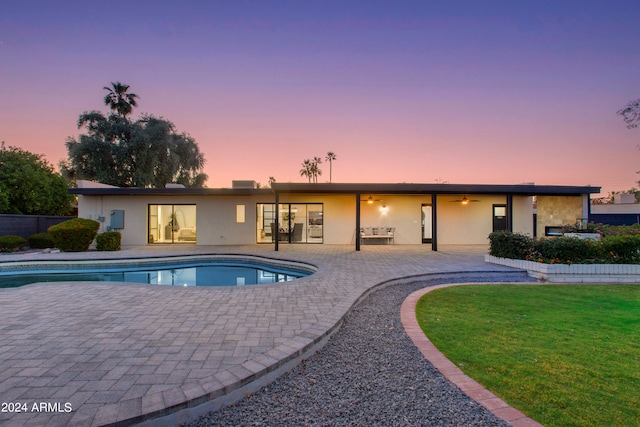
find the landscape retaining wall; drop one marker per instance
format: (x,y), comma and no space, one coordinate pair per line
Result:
(573,273)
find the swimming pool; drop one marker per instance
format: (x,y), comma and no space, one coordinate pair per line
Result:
(163,272)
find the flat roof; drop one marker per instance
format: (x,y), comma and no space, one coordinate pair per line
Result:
(349,188)
(130,191)
(406,188)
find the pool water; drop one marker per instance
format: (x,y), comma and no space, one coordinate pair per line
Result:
(211,273)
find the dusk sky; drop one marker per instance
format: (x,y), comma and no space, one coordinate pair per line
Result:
(487,92)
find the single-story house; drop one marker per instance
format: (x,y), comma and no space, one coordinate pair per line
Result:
(330,213)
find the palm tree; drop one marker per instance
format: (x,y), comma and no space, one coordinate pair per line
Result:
(315,170)
(331,156)
(306,169)
(119,100)
(271,181)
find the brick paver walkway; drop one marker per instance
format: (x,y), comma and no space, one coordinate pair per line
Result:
(124,353)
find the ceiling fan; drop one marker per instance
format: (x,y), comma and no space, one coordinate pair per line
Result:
(464,200)
(370,200)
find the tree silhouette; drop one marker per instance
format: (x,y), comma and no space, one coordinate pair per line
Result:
(331,156)
(315,168)
(311,170)
(119,100)
(306,169)
(631,114)
(147,152)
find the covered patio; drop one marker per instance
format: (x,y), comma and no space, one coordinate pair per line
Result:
(507,207)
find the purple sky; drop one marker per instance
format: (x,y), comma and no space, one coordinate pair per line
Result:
(402,91)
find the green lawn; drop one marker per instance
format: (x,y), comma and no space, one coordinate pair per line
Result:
(566,355)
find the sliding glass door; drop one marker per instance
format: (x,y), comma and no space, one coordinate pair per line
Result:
(172,224)
(297,222)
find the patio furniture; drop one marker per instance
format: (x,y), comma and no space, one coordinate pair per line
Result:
(296,235)
(283,236)
(187,234)
(377,235)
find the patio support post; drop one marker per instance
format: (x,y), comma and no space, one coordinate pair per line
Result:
(586,206)
(357,221)
(277,225)
(510,212)
(434,222)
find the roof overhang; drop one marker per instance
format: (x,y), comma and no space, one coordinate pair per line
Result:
(346,188)
(123,191)
(403,188)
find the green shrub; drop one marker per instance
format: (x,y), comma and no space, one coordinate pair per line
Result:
(619,230)
(621,246)
(109,241)
(11,243)
(74,235)
(565,250)
(624,249)
(41,241)
(505,244)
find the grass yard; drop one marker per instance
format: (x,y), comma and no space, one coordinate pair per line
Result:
(566,355)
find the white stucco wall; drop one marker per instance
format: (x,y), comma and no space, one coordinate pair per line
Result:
(216,216)
(404,213)
(460,224)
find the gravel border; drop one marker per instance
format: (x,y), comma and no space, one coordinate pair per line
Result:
(368,374)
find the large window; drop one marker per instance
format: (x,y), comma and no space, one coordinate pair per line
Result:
(298,222)
(172,223)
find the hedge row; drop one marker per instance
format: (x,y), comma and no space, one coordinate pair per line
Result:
(75,235)
(605,230)
(36,241)
(12,243)
(41,241)
(611,249)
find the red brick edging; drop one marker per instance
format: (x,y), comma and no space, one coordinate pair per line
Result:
(450,371)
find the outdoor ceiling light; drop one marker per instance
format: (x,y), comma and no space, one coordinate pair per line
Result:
(370,200)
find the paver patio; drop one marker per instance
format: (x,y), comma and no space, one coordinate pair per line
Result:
(119,354)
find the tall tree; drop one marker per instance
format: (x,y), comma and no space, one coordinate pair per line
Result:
(331,156)
(119,100)
(145,153)
(315,168)
(306,169)
(30,186)
(311,169)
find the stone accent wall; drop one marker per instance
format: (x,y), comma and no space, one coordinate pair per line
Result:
(557,211)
